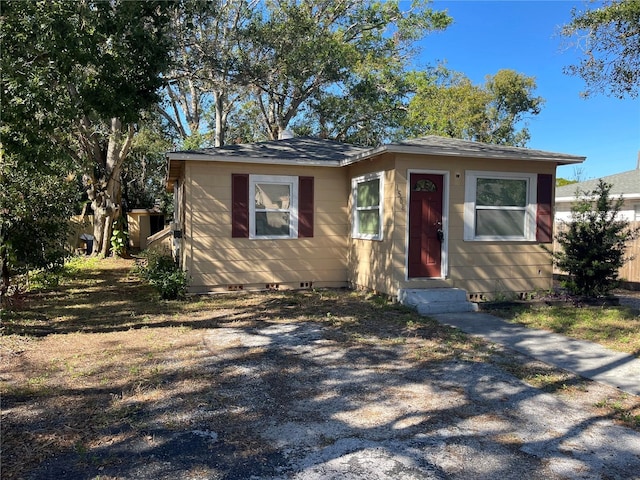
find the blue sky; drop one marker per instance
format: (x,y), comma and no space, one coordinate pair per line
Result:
(522,35)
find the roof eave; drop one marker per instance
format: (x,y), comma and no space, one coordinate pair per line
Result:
(536,156)
(236,159)
(176,160)
(420,150)
(624,196)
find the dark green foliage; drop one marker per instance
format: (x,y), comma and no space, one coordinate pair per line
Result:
(593,245)
(608,36)
(119,237)
(143,173)
(75,78)
(35,207)
(446,103)
(165,276)
(331,69)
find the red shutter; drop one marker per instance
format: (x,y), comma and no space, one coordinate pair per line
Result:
(240,206)
(544,216)
(305,207)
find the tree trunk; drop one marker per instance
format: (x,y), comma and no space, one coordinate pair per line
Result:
(106,193)
(4,270)
(221,126)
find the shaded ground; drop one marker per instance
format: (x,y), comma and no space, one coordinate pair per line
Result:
(304,386)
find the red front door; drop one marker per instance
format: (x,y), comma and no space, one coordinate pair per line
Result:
(425,225)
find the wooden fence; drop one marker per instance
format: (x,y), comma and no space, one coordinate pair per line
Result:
(629,273)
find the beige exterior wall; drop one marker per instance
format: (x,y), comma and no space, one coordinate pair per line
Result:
(217,262)
(133,220)
(139,224)
(372,262)
(79,225)
(485,269)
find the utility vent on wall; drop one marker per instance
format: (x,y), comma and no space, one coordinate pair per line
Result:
(235,288)
(306,284)
(272,286)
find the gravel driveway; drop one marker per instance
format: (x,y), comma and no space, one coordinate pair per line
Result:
(292,401)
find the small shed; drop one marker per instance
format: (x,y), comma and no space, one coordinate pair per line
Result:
(143,223)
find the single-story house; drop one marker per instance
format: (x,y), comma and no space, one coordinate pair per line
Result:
(625,185)
(418,214)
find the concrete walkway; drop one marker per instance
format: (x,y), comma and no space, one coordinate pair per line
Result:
(587,359)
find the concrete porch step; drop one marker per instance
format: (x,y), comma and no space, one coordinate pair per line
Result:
(436,300)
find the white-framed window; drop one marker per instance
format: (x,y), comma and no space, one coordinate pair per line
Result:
(273,202)
(367,200)
(500,206)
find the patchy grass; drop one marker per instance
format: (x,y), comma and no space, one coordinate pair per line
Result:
(616,327)
(99,359)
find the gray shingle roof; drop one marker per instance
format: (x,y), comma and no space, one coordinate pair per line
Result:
(321,152)
(625,183)
(297,149)
(435,145)
(309,149)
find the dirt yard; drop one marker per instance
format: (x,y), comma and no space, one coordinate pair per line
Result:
(100,381)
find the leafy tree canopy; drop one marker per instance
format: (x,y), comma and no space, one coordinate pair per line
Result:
(609,37)
(308,53)
(79,58)
(75,78)
(330,68)
(447,103)
(143,173)
(561,182)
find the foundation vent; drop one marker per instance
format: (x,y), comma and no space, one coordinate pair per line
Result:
(235,288)
(306,284)
(476,297)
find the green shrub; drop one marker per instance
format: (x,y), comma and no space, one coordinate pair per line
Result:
(593,246)
(164,275)
(119,238)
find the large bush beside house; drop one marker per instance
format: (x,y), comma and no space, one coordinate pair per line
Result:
(164,276)
(593,246)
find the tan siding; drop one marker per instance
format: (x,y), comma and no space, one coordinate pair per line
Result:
(488,268)
(223,251)
(187,234)
(501,273)
(289,268)
(217,261)
(332,257)
(371,261)
(479,249)
(510,287)
(133,223)
(498,260)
